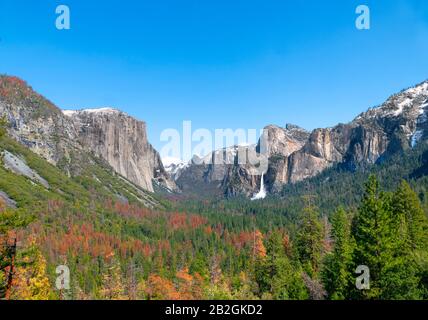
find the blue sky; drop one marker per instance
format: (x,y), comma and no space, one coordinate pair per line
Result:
(221,64)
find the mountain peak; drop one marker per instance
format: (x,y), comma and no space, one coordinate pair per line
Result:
(293,127)
(410,102)
(14,90)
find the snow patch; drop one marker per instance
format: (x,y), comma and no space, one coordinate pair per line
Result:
(401,106)
(70,113)
(404,101)
(422,109)
(418,89)
(174,166)
(101,110)
(167,161)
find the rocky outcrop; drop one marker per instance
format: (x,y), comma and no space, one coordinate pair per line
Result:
(35,121)
(122,141)
(5,201)
(19,166)
(233,171)
(217,171)
(65,139)
(284,141)
(370,138)
(293,154)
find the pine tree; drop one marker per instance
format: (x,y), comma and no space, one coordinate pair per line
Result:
(275,274)
(409,212)
(380,235)
(336,273)
(373,236)
(310,241)
(412,244)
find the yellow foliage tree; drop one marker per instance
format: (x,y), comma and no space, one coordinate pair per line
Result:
(158,288)
(259,250)
(31,282)
(113,283)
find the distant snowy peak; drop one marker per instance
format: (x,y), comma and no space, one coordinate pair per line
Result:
(408,110)
(411,102)
(174,166)
(225,155)
(168,161)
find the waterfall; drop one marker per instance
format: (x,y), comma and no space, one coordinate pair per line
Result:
(262,192)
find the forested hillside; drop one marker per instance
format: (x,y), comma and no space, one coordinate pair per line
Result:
(305,244)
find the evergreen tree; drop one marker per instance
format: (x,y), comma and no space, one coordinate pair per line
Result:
(380,235)
(373,236)
(310,241)
(409,212)
(336,273)
(412,241)
(275,274)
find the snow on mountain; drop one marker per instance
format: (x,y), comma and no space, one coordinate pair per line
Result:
(407,101)
(226,155)
(173,166)
(101,110)
(168,161)
(70,113)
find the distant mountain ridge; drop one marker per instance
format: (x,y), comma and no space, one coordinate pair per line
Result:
(62,138)
(295,154)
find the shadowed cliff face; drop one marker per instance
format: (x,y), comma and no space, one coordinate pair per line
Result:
(64,138)
(294,154)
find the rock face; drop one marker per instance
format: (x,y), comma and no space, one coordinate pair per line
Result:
(19,166)
(218,171)
(230,170)
(35,121)
(122,141)
(285,141)
(295,154)
(370,138)
(6,201)
(63,138)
